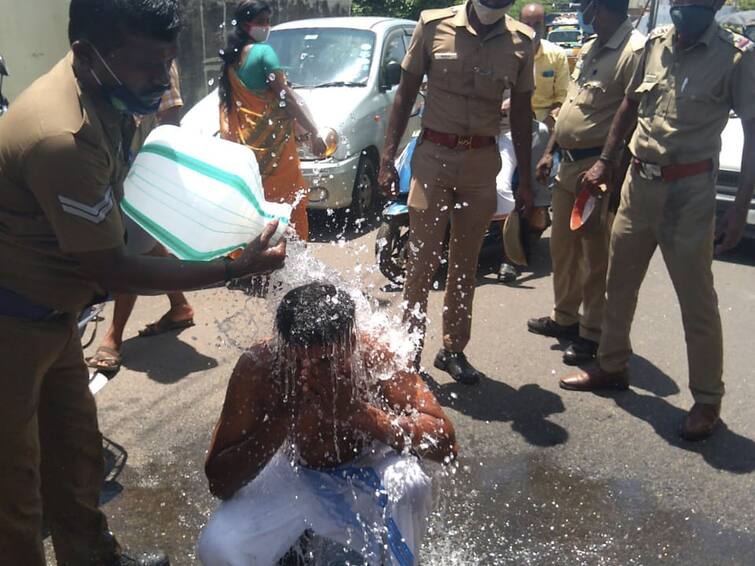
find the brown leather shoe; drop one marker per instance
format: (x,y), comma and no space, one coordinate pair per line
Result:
(594,379)
(701,421)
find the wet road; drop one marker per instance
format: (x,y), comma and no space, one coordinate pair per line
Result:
(546,476)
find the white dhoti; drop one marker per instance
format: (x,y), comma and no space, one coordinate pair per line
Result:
(377,506)
(504,191)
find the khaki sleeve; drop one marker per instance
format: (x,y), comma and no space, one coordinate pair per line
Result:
(743,86)
(637,77)
(71,182)
(562,78)
(417,59)
(525,80)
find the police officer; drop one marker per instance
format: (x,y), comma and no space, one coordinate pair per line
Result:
(689,78)
(471,55)
(63,156)
(603,71)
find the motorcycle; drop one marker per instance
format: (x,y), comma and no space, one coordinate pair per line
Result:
(3,74)
(393,233)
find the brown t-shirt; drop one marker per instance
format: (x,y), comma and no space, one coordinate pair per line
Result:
(685,95)
(467,75)
(62,165)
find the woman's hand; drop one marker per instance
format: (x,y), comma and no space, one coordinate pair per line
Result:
(317,145)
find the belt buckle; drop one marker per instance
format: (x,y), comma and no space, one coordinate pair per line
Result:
(569,155)
(464,142)
(649,171)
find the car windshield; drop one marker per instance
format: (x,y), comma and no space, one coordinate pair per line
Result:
(317,57)
(564,36)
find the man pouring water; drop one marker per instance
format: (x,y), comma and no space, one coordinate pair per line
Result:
(63,158)
(320,432)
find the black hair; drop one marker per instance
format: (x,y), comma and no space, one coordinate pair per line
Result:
(315,315)
(246,11)
(102,22)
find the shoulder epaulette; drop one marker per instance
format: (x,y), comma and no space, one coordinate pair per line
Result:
(661,31)
(517,26)
(428,16)
(739,41)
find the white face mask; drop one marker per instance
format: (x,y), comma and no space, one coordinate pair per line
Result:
(489,16)
(259,34)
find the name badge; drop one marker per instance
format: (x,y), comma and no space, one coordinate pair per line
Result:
(549,73)
(446,56)
(649,78)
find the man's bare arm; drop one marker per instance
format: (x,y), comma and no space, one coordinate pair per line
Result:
(118,272)
(422,419)
(406,95)
(733,224)
(623,123)
(520,119)
(251,428)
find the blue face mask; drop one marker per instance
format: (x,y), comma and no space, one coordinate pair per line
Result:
(123,99)
(691,21)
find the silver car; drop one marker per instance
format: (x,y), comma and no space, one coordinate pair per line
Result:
(347,71)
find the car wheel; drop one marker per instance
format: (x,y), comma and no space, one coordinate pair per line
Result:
(364,197)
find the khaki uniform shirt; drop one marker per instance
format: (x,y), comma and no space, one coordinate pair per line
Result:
(598,85)
(62,165)
(551,78)
(467,75)
(685,95)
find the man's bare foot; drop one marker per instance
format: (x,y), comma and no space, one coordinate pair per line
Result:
(177,318)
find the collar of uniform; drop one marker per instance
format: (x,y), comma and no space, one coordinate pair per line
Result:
(705,38)
(461,20)
(619,35)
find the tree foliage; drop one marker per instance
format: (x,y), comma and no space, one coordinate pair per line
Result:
(411,8)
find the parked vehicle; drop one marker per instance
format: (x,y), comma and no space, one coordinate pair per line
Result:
(570,39)
(3,74)
(730,165)
(347,71)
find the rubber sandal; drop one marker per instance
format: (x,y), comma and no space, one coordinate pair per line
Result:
(106,360)
(165,324)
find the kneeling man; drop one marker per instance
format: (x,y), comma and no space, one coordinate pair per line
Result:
(321,431)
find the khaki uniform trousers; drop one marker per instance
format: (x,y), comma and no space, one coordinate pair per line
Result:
(50,447)
(457,187)
(580,259)
(678,217)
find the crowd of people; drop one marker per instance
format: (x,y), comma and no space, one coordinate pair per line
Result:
(309,440)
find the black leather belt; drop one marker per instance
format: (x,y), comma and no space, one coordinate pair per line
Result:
(14,305)
(572,155)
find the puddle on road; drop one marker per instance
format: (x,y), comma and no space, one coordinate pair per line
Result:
(502,510)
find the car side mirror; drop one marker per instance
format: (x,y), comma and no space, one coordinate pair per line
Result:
(3,68)
(391,75)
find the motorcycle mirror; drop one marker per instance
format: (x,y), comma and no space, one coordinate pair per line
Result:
(3,68)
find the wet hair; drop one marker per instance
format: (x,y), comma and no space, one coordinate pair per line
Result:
(315,315)
(246,11)
(103,22)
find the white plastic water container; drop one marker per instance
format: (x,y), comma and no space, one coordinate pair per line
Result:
(199,196)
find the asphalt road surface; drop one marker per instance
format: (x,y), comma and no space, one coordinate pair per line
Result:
(546,476)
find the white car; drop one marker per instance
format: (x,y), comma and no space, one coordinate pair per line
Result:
(730,164)
(347,71)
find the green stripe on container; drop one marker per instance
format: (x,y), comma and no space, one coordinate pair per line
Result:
(233,181)
(182,249)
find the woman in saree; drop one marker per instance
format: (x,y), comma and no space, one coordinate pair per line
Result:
(259,109)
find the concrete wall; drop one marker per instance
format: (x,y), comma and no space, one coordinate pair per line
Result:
(33,37)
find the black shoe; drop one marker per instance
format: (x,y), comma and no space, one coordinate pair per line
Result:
(151,559)
(507,273)
(548,327)
(457,366)
(581,351)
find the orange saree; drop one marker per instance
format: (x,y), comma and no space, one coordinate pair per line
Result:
(258,121)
